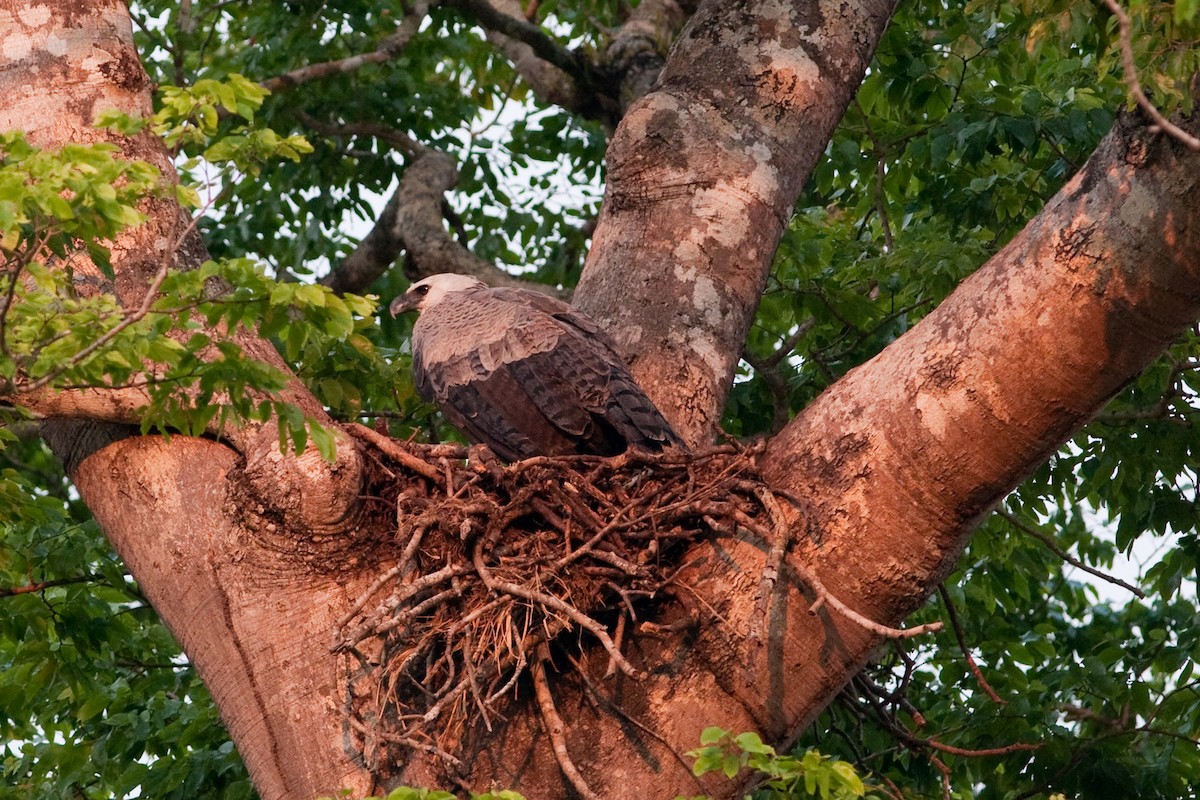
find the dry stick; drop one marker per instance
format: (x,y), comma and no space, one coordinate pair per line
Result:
(392,450)
(420,608)
(436,709)
(518,670)
(392,603)
(1020,525)
(417,529)
(547,600)
(554,724)
(360,602)
(1135,87)
(407,741)
(780,542)
(619,638)
(962,645)
(824,596)
(587,546)
(469,667)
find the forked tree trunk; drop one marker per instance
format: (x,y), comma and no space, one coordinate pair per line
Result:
(898,460)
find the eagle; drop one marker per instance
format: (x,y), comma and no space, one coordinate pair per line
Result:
(524,373)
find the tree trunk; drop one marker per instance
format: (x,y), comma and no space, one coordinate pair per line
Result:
(251,556)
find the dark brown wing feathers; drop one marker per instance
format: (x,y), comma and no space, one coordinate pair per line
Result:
(576,397)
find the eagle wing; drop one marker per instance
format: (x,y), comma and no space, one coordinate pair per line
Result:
(551,383)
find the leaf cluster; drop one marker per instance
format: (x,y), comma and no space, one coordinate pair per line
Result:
(808,774)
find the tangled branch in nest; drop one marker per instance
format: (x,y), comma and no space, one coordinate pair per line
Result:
(498,561)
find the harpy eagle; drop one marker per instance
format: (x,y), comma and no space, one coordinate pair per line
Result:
(524,373)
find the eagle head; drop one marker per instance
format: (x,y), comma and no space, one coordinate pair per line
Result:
(430,291)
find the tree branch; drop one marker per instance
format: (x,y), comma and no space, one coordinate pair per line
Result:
(962,645)
(1020,525)
(386,51)
(541,43)
(37,587)
(600,89)
(1125,26)
(411,221)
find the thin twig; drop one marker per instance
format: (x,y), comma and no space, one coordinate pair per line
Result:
(13,591)
(962,645)
(386,51)
(550,601)
(1125,35)
(1020,525)
(554,725)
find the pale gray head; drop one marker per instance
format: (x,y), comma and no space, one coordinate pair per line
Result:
(430,291)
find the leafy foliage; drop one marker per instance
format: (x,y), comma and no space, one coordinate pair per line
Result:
(809,774)
(971,117)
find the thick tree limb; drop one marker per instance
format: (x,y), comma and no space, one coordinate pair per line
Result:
(412,223)
(913,448)
(703,173)
(637,49)
(900,459)
(493,17)
(605,87)
(185,543)
(896,461)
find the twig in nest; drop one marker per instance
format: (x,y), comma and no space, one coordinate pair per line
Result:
(554,724)
(619,638)
(469,663)
(392,450)
(407,741)
(513,561)
(550,601)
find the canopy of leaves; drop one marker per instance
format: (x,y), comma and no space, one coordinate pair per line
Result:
(968,121)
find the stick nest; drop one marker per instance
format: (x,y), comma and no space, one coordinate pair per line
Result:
(499,561)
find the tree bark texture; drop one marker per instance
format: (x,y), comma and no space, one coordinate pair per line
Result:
(702,176)
(167,506)
(897,461)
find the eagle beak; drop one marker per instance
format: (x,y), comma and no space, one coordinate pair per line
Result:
(402,303)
